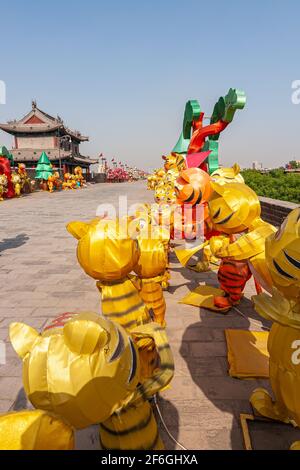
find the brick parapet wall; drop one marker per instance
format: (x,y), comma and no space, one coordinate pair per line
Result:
(274,211)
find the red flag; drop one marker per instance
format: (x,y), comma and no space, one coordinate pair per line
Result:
(194,160)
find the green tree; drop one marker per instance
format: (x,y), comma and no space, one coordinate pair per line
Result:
(44,168)
(276,184)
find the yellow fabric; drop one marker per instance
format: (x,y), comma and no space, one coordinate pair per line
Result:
(34,430)
(203,266)
(184,255)
(208,262)
(248,244)
(247,353)
(259,269)
(277,308)
(203,296)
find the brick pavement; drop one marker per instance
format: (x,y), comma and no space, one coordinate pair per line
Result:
(40,277)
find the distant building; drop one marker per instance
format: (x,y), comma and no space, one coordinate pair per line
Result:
(39,132)
(102,166)
(256,165)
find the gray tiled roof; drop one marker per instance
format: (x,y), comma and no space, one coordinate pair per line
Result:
(33,155)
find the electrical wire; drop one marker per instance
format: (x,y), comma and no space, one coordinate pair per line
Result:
(254,322)
(165,426)
(250,320)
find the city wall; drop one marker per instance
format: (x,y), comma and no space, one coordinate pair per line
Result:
(274,211)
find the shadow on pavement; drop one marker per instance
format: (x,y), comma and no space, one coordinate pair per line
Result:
(21,402)
(14,242)
(171,418)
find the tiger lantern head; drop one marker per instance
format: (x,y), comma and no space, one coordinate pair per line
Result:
(283,256)
(82,367)
(233,207)
(193,186)
(160,193)
(170,194)
(174,161)
(16,178)
(153,258)
(105,250)
(78,171)
(227,175)
(3,180)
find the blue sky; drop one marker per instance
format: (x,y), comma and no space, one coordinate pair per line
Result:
(122,71)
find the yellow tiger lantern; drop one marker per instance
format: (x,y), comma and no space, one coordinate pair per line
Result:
(155,226)
(283,308)
(160,193)
(151,268)
(108,254)
(3,186)
(81,370)
(234,209)
(283,257)
(170,194)
(16,181)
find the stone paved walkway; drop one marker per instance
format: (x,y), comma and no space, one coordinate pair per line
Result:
(40,277)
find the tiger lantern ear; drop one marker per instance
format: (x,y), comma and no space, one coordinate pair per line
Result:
(236,168)
(78,229)
(22,338)
(84,334)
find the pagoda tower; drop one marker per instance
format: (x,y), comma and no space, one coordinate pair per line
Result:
(39,132)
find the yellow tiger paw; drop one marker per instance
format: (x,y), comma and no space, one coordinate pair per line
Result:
(262,402)
(295,445)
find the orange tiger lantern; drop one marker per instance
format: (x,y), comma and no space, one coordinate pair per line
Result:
(192,188)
